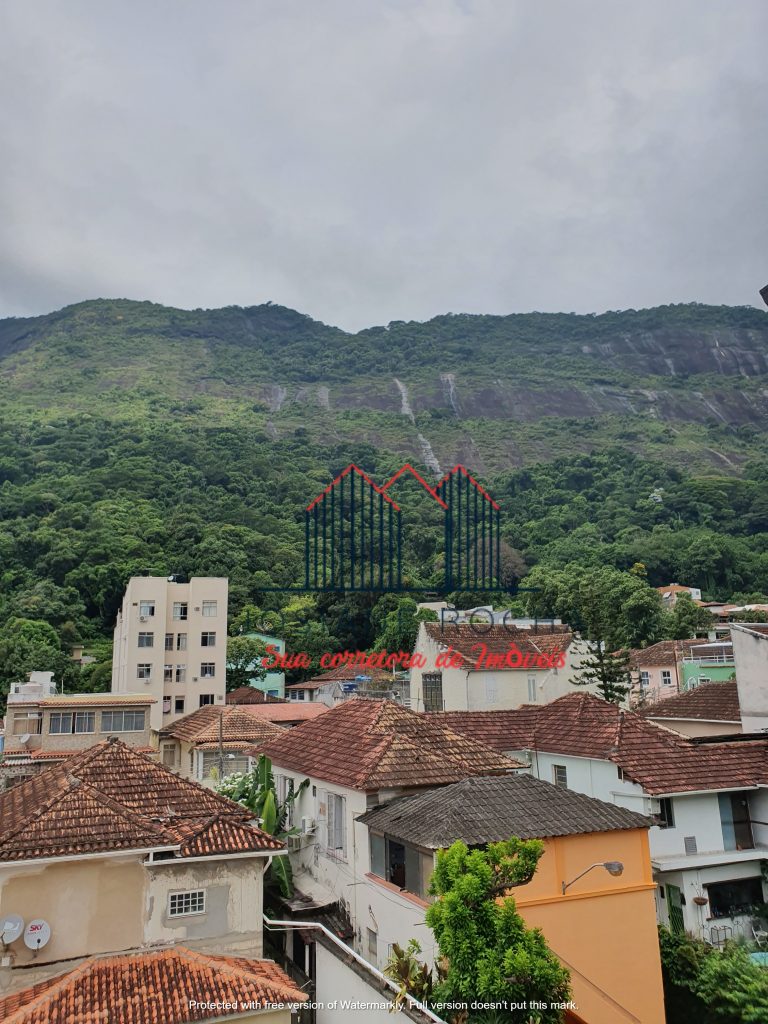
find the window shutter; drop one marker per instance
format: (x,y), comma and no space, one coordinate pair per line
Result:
(322,817)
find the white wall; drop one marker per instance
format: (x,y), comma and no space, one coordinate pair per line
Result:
(750,653)
(465,690)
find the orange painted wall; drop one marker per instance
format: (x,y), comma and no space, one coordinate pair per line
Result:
(604,928)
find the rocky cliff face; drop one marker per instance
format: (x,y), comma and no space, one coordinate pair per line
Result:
(681,382)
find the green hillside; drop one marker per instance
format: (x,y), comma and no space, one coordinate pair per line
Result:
(136,438)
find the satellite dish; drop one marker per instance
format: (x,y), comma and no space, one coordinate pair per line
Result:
(11,927)
(37,934)
(25,738)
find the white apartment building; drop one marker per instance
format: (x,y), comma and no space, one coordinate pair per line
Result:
(171,642)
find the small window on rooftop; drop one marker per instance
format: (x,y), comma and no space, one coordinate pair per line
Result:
(560,775)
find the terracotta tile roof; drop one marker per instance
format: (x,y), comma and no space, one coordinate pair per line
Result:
(344,674)
(60,755)
(709,702)
(291,711)
(470,641)
(237,725)
(666,653)
(487,810)
(151,988)
(110,797)
(372,744)
(581,725)
(251,695)
(80,699)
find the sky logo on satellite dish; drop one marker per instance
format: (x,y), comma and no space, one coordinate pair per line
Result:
(353,534)
(36,935)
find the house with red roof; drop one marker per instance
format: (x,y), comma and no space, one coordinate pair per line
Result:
(115,852)
(477,666)
(709,797)
(358,755)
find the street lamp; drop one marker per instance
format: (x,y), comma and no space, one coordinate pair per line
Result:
(613,867)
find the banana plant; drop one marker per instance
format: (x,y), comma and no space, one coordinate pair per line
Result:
(256,791)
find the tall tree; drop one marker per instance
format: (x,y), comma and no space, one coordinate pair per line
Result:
(608,669)
(490,953)
(245,655)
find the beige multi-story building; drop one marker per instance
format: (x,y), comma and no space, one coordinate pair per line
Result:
(171,642)
(43,726)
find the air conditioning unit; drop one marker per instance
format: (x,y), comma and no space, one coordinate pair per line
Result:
(194,679)
(142,618)
(308,826)
(294,843)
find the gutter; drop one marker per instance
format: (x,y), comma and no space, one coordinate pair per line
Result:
(348,951)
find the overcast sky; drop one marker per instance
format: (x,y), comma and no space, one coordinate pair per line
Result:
(374,160)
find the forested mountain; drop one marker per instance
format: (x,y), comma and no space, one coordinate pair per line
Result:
(134,437)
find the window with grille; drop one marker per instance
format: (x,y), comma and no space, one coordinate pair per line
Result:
(208,639)
(432,684)
(182,903)
(210,608)
(560,775)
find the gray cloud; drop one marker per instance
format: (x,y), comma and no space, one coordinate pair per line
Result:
(369,160)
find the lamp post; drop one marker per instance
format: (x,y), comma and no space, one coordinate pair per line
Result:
(613,867)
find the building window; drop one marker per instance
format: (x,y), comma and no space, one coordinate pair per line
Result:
(737,897)
(169,755)
(146,639)
(144,671)
(336,825)
(666,677)
(27,722)
(210,609)
(69,722)
(372,946)
(645,679)
(123,721)
(297,694)
(182,903)
(178,705)
(146,608)
(206,698)
(214,768)
(167,673)
(181,642)
(560,775)
(207,670)
(181,673)
(666,816)
(207,639)
(169,641)
(402,865)
(284,787)
(432,683)
(531,689)
(180,610)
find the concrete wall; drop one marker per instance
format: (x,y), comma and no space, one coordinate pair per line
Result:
(232,919)
(337,983)
(695,727)
(750,652)
(93,906)
(127,655)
